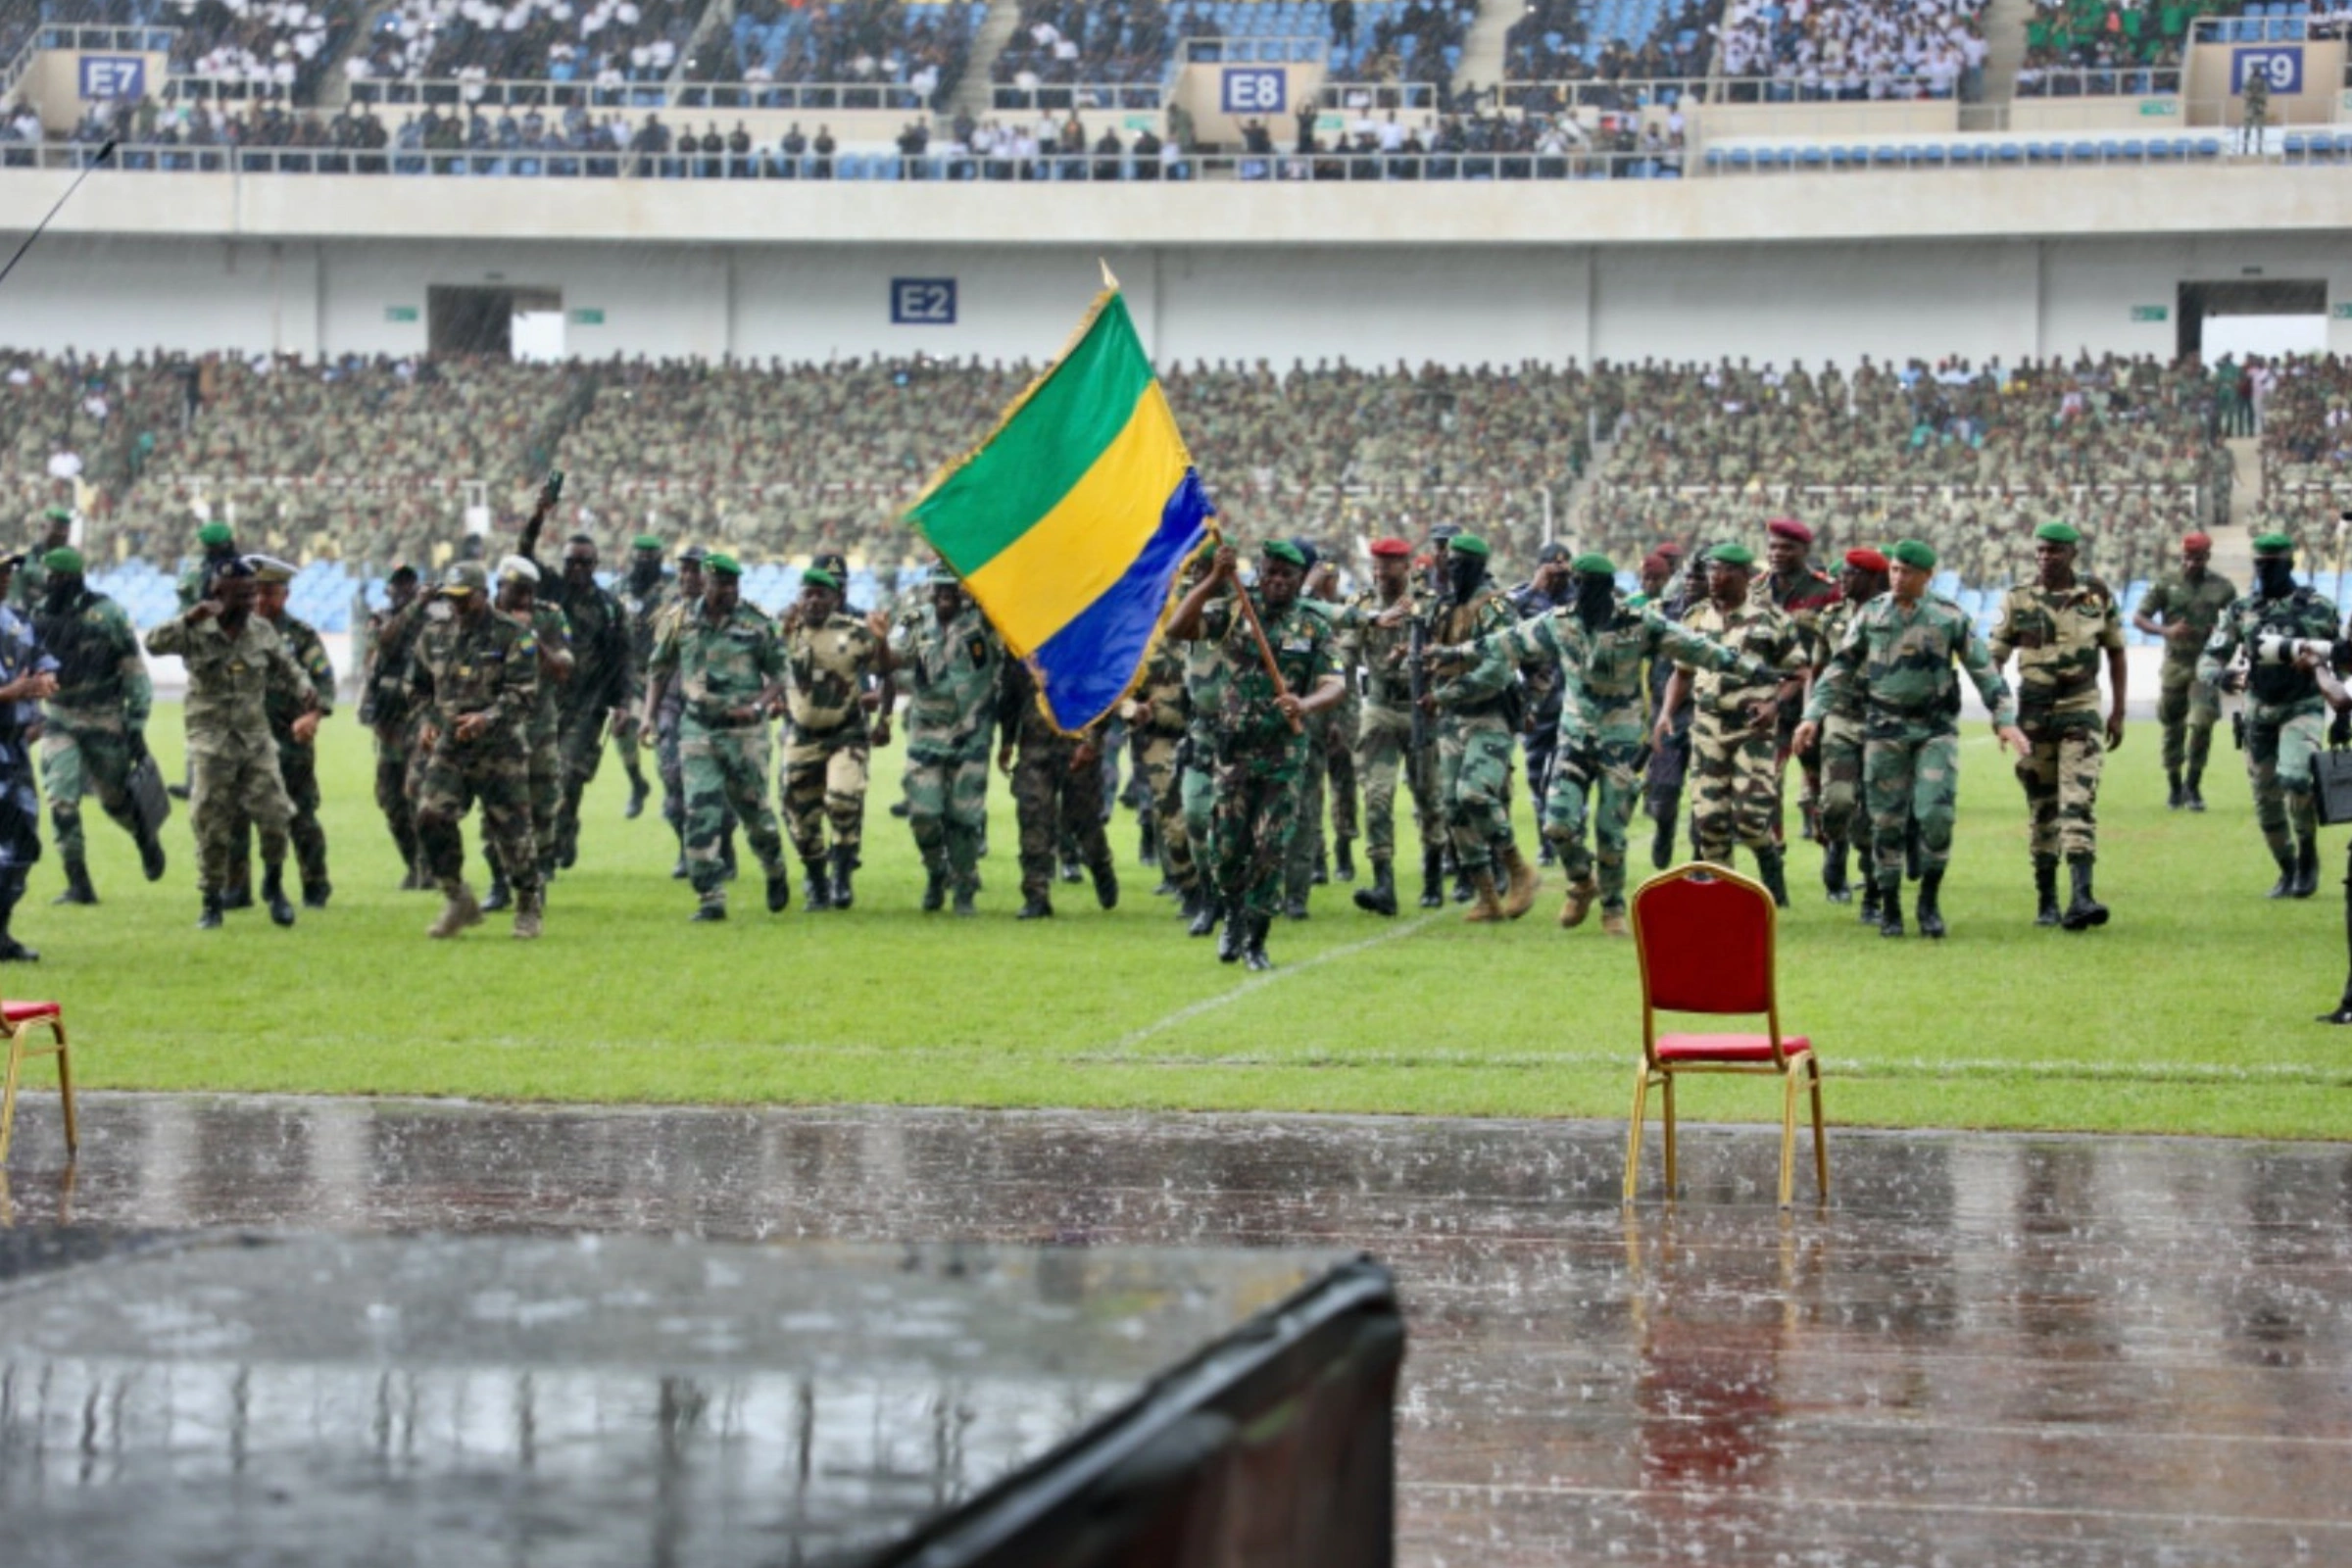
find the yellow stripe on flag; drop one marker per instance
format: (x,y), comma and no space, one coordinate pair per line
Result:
(1068,557)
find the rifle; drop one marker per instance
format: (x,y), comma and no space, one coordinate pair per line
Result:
(1416,649)
(549,494)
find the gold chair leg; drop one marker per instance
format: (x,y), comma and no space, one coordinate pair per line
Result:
(1666,1093)
(65,1086)
(1788,1135)
(1821,1145)
(1632,1143)
(8,1091)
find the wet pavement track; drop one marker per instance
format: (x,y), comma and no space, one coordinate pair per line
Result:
(1990,1348)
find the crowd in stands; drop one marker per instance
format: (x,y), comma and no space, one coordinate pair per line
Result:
(276,47)
(371,459)
(606,42)
(2094,48)
(1551,42)
(1812,50)
(921,50)
(1062,42)
(1968,456)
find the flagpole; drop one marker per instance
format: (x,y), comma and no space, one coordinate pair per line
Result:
(1265,650)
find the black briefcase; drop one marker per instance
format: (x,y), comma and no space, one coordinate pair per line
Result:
(2331,771)
(147,795)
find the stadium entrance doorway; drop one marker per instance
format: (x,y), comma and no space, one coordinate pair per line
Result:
(522,323)
(2264,316)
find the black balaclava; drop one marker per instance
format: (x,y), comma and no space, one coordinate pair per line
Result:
(2276,575)
(1596,598)
(59,595)
(1467,571)
(645,570)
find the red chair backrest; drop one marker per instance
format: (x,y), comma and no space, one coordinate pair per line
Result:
(1705,942)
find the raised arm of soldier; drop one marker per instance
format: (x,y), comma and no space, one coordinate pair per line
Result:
(1223,570)
(886,666)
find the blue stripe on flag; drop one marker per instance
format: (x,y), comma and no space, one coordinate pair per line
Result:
(1088,666)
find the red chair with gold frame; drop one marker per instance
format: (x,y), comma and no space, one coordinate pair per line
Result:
(18,1019)
(1704,938)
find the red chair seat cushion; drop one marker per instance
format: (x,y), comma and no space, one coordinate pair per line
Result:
(1727,1047)
(16,1012)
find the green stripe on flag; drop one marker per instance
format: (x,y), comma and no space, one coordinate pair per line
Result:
(1044,449)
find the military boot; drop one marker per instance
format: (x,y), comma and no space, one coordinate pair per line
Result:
(1254,946)
(1433,879)
(459,910)
(238,895)
(501,897)
(2285,854)
(1320,876)
(1582,891)
(1234,936)
(2175,795)
(273,894)
(818,884)
(1768,872)
(210,919)
(1205,912)
(1037,906)
(529,915)
(2045,890)
(1867,913)
(1343,858)
(1381,896)
(845,861)
(935,888)
(630,812)
(2307,868)
(1107,883)
(962,909)
(1612,923)
(1146,832)
(1524,880)
(2190,789)
(1484,907)
(779,888)
(77,885)
(2086,910)
(712,911)
(1891,907)
(150,857)
(1930,918)
(1661,842)
(1833,877)
(315,893)
(1294,906)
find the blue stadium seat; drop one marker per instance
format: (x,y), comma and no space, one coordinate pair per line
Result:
(1716,158)
(2039,152)
(1814,158)
(1931,156)
(1741,159)
(2011,153)
(2134,151)
(2163,151)
(1886,156)
(2297,146)
(1844,157)
(2208,146)
(2110,149)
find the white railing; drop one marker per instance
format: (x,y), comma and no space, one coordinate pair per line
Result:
(2036,83)
(105,40)
(1550,97)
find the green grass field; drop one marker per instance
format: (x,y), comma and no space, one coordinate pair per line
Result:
(2192,1012)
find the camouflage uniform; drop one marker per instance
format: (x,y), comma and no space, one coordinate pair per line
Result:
(1204,680)
(544,735)
(1733,783)
(667,719)
(297,763)
(20,654)
(1538,736)
(603,679)
(487,666)
(2186,706)
(385,708)
(824,759)
(1841,742)
(1898,659)
(233,757)
(1259,760)
(1308,846)
(1052,798)
(2060,639)
(719,668)
(1803,596)
(645,612)
(2284,712)
(1475,736)
(1604,732)
(1158,739)
(96,723)
(952,670)
(1385,731)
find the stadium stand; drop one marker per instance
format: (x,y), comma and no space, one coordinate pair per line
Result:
(1061,48)
(355,463)
(610,43)
(276,48)
(2101,48)
(871,53)
(1813,51)
(1611,41)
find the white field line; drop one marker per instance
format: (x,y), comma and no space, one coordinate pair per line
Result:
(1120,1048)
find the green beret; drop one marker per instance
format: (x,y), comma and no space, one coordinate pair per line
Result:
(1593,563)
(1733,556)
(65,558)
(727,565)
(814,577)
(2059,533)
(646,541)
(1469,544)
(58,515)
(1284,550)
(214,535)
(1912,553)
(2274,544)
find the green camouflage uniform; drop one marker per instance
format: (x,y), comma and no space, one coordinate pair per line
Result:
(1734,782)
(1805,596)
(603,678)
(2285,724)
(719,668)
(951,675)
(1475,736)
(1841,742)
(298,763)
(824,757)
(550,628)
(1259,760)
(232,760)
(2186,706)
(385,707)
(1054,799)
(1603,737)
(1158,739)
(1306,833)
(2061,640)
(1384,735)
(461,666)
(1205,681)
(1898,659)
(645,612)
(102,698)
